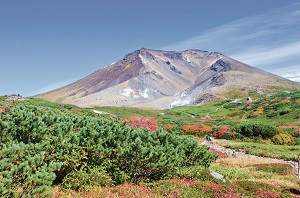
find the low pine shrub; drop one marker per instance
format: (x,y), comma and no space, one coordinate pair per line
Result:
(231,136)
(25,170)
(173,126)
(53,146)
(266,131)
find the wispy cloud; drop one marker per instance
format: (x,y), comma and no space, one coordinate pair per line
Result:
(52,86)
(269,55)
(270,41)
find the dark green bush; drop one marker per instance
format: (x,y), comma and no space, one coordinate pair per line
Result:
(271,114)
(75,141)
(26,167)
(256,130)
(296,95)
(230,136)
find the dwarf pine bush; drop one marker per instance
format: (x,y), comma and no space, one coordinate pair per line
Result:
(266,131)
(51,146)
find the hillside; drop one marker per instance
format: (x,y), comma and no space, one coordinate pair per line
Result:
(55,150)
(164,79)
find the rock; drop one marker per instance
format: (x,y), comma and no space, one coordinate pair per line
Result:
(218,176)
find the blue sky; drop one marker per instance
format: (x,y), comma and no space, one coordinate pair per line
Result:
(45,44)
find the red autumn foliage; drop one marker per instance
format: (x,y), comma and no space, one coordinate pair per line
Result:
(221,191)
(142,122)
(75,109)
(220,132)
(264,193)
(220,153)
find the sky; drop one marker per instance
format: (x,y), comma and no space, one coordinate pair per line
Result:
(46,44)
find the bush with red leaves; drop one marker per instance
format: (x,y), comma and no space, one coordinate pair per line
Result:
(143,122)
(221,132)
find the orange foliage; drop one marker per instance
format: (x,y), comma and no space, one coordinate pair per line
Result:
(170,126)
(3,109)
(196,129)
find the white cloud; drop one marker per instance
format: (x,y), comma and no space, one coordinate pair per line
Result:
(269,54)
(270,41)
(52,86)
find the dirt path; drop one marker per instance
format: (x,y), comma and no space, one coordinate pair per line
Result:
(238,153)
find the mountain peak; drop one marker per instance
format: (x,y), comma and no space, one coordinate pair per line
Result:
(162,79)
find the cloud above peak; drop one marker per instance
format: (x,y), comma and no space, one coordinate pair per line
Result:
(270,41)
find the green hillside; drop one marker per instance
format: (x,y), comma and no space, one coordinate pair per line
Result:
(51,149)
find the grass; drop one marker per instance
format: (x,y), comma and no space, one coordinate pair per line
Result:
(265,150)
(234,92)
(200,111)
(243,180)
(130,111)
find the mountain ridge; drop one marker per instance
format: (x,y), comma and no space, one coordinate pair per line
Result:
(162,79)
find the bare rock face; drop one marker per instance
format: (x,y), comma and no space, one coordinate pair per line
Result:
(164,79)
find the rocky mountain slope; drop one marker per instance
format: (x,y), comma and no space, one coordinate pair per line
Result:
(163,79)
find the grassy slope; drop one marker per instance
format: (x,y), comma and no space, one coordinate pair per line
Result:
(244,178)
(284,152)
(243,175)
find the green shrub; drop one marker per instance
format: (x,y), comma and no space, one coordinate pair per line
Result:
(282,94)
(87,178)
(283,139)
(256,130)
(296,95)
(26,167)
(75,141)
(231,136)
(271,114)
(292,132)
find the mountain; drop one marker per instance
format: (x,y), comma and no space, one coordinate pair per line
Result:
(164,79)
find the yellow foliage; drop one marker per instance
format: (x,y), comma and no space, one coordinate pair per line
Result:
(283,138)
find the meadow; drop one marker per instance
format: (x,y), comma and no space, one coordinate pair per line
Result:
(53,150)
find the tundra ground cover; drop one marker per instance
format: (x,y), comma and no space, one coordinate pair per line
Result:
(243,180)
(87,151)
(284,152)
